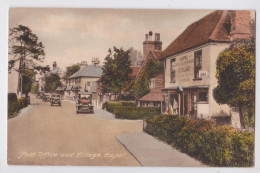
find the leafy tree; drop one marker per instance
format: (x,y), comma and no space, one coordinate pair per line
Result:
(236,77)
(116,71)
(25,53)
(71,70)
(52,82)
(141,86)
(27,78)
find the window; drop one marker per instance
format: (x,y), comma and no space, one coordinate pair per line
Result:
(173,69)
(88,83)
(203,96)
(197,64)
(152,83)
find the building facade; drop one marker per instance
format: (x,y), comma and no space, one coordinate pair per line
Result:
(83,80)
(152,48)
(190,64)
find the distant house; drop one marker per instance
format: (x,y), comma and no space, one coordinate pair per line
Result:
(190,63)
(40,78)
(83,80)
(152,50)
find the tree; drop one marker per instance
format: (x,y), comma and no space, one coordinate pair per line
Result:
(28,79)
(136,57)
(71,70)
(236,77)
(25,53)
(116,71)
(141,86)
(52,82)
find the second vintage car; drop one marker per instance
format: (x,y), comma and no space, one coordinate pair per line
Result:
(55,99)
(46,97)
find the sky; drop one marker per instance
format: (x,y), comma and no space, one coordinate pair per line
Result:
(74,35)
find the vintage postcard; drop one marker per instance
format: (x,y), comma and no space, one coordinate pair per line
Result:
(129,87)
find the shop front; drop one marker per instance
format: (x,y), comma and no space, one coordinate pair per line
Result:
(189,101)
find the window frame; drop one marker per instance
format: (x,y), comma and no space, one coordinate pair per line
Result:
(197,64)
(172,70)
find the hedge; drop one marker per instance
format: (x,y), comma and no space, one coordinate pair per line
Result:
(14,104)
(133,112)
(110,106)
(213,145)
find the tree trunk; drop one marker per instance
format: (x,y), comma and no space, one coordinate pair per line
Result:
(250,114)
(241,116)
(119,95)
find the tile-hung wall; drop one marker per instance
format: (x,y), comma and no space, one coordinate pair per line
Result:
(193,73)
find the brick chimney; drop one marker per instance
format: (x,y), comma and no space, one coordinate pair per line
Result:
(240,24)
(83,64)
(150,44)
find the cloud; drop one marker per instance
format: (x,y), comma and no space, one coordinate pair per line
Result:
(72,35)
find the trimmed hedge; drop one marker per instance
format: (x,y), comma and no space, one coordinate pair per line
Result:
(214,145)
(14,104)
(110,106)
(133,112)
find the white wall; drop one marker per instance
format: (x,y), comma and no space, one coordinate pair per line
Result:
(185,74)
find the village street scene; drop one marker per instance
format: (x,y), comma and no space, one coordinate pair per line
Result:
(103,87)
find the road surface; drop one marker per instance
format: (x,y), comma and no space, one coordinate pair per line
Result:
(53,135)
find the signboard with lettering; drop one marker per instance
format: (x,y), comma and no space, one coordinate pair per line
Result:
(203,74)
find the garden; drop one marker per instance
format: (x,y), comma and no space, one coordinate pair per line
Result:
(214,145)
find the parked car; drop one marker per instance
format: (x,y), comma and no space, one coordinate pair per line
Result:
(46,97)
(39,95)
(55,99)
(84,103)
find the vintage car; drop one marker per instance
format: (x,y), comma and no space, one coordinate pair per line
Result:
(39,95)
(55,99)
(84,103)
(46,97)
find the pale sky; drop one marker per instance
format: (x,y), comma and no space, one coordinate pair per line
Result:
(74,35)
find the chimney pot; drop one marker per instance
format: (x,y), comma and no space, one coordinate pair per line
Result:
(146,37)
(157,37)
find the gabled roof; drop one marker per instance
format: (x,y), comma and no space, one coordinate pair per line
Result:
(88,71)
(153,54)
(212,27)
(135,70)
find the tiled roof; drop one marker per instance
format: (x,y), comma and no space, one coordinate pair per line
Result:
(210,28)
(157,53)
(88,71)
(135,70)
(153,95)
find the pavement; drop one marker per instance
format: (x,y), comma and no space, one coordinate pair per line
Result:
(151,152)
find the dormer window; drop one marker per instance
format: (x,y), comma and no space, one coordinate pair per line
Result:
(152,83)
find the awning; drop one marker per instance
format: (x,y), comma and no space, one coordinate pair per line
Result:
(185,87)
(153,97)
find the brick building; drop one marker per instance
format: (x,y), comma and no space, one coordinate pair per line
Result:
(152,50)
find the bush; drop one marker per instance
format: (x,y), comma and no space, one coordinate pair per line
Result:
(14,104)
(133,112)
(202,139)
(110,106)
